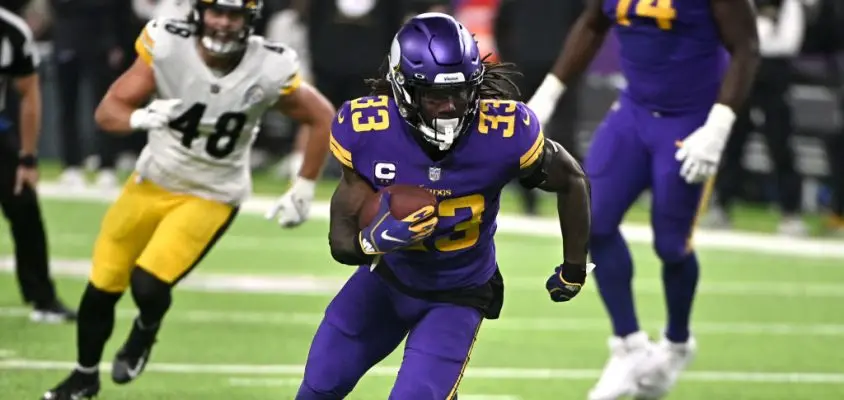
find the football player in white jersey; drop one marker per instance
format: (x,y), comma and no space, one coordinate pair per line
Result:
(211,80)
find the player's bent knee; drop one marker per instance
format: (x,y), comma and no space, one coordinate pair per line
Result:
(111,280)
(671,250)
(597,237)
(147,287)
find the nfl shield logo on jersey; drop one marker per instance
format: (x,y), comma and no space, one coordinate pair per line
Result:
(254,95)
(434,173)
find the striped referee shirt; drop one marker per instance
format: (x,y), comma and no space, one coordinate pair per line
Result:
(18,54)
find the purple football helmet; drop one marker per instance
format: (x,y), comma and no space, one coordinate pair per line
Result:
(436,73)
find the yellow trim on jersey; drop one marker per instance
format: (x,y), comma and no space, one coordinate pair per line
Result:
(708,189)
(292,84)
(453,393)
(147,39)
(144,45)
(534,152)
(342,155)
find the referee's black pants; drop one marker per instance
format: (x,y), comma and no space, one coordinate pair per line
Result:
(23,214)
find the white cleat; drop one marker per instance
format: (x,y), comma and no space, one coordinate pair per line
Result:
(73,179)
(621,370)
(659,373)
(107,180)
(793,227)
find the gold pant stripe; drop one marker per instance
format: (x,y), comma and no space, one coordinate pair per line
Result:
(453,392)
(702,206)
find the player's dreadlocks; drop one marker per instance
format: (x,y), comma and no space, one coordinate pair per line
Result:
(497,83)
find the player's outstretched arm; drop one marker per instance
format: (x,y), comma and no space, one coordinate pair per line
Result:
(583,42)
(130,91)
(557,171)
(309,107)
(346,204)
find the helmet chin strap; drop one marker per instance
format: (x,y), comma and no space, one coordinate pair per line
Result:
(443,134)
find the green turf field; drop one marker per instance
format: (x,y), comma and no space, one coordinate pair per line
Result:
(768,326)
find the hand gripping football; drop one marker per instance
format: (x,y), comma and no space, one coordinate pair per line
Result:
(404,200)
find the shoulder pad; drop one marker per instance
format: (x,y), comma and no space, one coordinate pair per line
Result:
(356,121)
(515,122)
(153,42)
(531,139)
(281,63)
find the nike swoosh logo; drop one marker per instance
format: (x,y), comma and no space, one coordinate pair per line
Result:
(134,372)
(527,119)
(386,236)
(340,117)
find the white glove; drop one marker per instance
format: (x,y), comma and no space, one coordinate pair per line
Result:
(156,115)
(544,101)
(701,151)
(294,206)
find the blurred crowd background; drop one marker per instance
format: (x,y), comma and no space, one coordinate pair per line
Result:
(787,150)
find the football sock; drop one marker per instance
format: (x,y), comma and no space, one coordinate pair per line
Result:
(94,325)
(680,282)
(152,296)
(614,274)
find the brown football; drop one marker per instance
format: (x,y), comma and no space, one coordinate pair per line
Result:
(404,200)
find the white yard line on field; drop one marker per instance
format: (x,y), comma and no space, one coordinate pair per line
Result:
(264,382)
(546,227)
(309,285)
(471,373)
(506,324)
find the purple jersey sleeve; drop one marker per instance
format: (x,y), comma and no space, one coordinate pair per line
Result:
(514,131)
(357,122)
(343,140)
(529,137)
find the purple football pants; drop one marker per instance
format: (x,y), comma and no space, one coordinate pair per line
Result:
(633,150)
(367,320)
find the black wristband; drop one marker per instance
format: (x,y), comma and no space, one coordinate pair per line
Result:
(573,273)
(28,160)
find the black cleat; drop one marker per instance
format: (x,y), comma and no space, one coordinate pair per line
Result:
(78,386)
(132,358)
(52,313)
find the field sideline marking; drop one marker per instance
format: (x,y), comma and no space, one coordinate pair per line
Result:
(506,324)
(471,373)
(545,227)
